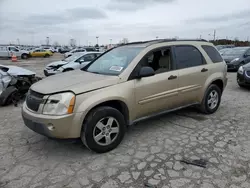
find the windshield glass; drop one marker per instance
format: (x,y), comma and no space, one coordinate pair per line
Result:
(73,57)
(115,61)
(235,51)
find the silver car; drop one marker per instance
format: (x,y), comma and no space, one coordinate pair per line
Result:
(76,61)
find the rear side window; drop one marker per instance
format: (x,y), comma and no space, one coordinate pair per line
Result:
(212,53)
(188,56)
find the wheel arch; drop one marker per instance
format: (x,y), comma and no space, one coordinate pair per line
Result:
(119,105)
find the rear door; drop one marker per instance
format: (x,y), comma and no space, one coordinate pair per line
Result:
(247,56)
(193,73)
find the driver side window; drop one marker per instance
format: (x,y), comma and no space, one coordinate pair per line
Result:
(89,57)
(160,60)
(248,53)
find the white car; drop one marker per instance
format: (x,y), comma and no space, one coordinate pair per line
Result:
(7,51)
(76,61)
(70,53)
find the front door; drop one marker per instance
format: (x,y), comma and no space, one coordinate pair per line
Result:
(193,73)
(159,92)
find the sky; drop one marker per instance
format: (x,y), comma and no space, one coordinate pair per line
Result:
(31,21)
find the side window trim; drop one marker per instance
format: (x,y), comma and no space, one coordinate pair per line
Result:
(187,45)
(174,67)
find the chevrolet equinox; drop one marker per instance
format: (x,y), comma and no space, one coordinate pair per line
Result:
(124,85)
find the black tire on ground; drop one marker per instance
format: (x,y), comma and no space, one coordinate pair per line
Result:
(89,128)
(24,56)
(241,85)
(46,55)
(204,107)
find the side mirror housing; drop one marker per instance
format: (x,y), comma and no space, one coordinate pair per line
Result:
(81,60)
(146,72)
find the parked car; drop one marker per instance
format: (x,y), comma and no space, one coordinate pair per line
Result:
(125,85)
(49,49)
(7,51)
(63,50)
(76,61)
(220,47)
(243,75)
(40,53)
(237,57)
(70,53)
(222,51)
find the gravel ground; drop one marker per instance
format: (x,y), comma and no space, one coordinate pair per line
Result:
(149,156)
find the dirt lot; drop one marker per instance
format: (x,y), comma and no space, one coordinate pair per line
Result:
(149,156)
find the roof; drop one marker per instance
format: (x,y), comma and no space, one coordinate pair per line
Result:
(151,42)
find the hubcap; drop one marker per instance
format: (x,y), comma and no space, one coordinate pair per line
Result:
(106,131)
(213,99)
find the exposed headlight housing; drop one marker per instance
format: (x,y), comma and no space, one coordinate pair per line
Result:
(59,104)
(236,59)
(241,70)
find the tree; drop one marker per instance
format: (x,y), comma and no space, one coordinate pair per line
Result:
(124,41)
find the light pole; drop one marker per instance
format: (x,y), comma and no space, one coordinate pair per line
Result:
(156,37)
(18,41)
(110,41)
(47,41)
(97,40)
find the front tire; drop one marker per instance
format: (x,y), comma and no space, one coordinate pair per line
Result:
(211,100)
(46,55)
(24,56)
(103,129)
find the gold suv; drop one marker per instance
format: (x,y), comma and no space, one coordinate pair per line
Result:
(124,85)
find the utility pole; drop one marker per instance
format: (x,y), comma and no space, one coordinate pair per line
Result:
(97,40)
(214,34)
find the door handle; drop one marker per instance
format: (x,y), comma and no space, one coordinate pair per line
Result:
(172,77)
(204,70)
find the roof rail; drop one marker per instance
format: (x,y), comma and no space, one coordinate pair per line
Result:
(162,40)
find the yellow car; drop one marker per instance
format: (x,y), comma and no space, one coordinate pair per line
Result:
(41,53)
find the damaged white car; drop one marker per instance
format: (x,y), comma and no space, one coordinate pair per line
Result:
(15,83)
(77,61)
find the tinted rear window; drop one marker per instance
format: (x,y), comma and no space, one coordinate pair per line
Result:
(212,53)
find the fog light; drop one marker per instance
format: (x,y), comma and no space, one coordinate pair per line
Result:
(51,127)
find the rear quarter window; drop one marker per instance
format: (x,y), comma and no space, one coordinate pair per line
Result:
(212,53)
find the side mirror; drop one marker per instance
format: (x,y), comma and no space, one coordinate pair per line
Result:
(146,72)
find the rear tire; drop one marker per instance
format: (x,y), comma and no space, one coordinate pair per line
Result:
(46,55)
(103,129)
(211,100)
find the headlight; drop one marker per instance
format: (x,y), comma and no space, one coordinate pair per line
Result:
(236,59)
(59,104)
(241,70)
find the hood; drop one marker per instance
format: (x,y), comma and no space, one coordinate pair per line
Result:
(18,71)
(57,63)
(77,81)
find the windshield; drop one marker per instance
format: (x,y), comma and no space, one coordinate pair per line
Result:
(114,61)
(73,57)
(235,51)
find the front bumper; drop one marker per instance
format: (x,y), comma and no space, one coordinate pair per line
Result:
(50,72)
(243,79)
(63,127)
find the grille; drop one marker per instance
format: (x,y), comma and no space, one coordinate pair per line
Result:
(33,100)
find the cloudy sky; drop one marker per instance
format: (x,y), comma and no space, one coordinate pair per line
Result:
(32,21)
